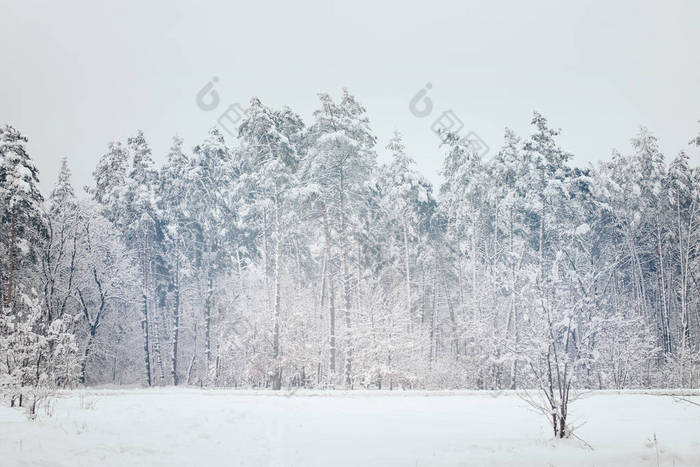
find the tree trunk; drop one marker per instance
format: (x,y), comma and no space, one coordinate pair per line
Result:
(207,324)
(407,268)
(277,376)
(433,341)
(345,283)
(10,254)
(88,347)
(194,354)
(513,318)
(665,331)
(542,231)
(331,294)
(176,320)
(346,307)
(156,342)
(146,347)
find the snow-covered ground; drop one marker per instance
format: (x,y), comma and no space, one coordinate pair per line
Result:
(215,427)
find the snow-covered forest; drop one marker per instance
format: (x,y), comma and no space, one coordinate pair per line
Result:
(294,256)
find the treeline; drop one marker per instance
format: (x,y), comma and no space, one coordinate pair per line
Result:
(289,256)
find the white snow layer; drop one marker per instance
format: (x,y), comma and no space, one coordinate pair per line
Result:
(176,427)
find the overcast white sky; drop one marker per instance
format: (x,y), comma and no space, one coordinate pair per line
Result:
(77,74)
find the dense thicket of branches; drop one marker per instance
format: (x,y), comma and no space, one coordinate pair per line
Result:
(290,257)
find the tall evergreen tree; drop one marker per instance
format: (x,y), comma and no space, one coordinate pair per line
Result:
(340,162)
(20,207)
(271,152)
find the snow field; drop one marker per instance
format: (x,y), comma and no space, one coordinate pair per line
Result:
(226,427)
